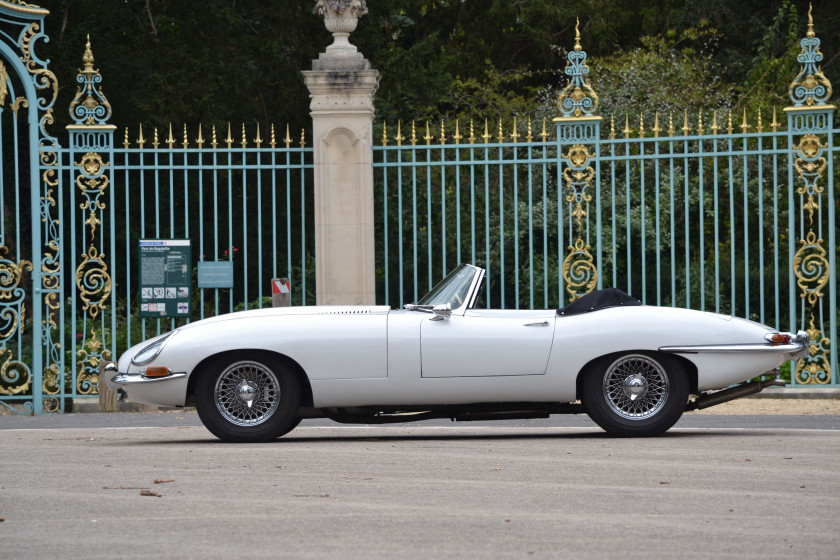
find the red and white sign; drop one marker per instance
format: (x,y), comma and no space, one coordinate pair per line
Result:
(278,287)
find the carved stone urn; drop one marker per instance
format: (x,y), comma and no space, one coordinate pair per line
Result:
(340,19)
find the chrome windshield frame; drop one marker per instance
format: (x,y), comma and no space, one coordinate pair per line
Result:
(470,295)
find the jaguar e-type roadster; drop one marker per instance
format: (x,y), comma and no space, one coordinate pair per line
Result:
(254,375)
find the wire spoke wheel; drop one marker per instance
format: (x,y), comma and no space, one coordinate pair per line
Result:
(247,393)
(637,394)
(247,397)
(635,387)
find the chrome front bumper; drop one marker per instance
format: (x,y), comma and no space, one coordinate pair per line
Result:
(115,379)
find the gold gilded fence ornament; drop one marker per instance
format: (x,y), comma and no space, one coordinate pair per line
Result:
(91,111)
(809,118)
(578,129)
(15,377)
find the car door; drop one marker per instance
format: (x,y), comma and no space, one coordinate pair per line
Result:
(484,343)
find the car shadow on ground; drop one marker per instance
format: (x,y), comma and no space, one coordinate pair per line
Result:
(442,437)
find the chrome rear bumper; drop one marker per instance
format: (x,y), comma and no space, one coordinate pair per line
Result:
(798,348)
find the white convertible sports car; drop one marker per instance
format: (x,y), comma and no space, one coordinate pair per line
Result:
(633,368)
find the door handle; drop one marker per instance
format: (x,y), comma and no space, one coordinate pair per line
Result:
(543,324)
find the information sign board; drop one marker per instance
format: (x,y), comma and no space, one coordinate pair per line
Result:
(215,274)
(165,277)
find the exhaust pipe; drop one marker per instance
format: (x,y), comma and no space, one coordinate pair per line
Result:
(736,392)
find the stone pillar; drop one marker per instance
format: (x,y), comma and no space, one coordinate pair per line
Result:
(342,85)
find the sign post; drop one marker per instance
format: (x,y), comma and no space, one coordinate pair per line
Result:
(281,292)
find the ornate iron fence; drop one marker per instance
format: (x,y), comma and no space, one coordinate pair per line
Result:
(242,198)
(717,212)
(722,213)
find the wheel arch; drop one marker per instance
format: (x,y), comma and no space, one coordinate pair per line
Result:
(306,398)
(688,366)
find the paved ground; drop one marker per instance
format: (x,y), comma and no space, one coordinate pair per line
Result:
(716,486)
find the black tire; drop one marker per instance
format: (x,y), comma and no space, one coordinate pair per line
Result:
(224,390)
(636,394)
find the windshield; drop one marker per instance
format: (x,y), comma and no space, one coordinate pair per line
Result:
(453,289)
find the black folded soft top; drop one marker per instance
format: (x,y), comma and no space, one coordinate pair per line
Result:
(599,299)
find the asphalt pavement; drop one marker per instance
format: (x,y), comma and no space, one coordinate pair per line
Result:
(158,485)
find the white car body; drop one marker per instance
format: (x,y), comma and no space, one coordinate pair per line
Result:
(374,356)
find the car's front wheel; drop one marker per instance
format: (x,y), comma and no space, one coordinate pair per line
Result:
(635,394)
(242,398)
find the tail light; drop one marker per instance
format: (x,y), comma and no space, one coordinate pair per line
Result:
(778,338)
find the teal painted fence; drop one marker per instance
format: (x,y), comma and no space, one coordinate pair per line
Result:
(727,213)
(719,212)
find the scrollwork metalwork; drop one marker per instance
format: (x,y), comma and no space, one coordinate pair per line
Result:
(15,377)
(90,106)
(88,360)
(93,183)
(579,270)
(93,281)
(810,88)
(810,266)
(815,368)
(579,176)
(577,99)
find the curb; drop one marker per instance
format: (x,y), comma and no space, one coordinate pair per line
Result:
(91,405)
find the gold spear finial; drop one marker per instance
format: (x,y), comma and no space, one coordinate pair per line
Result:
(577,34)
(810,32)
(170,139)
(87,58)
(141,140)
(288,139)
(258,140)
(399,137)
(229,139)
(200,139)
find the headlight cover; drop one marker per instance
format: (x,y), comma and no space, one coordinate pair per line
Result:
(150,351)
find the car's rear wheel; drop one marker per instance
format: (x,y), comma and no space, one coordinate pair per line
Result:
(242,398)
(637,394)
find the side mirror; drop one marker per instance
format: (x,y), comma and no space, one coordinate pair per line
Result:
(441,311)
